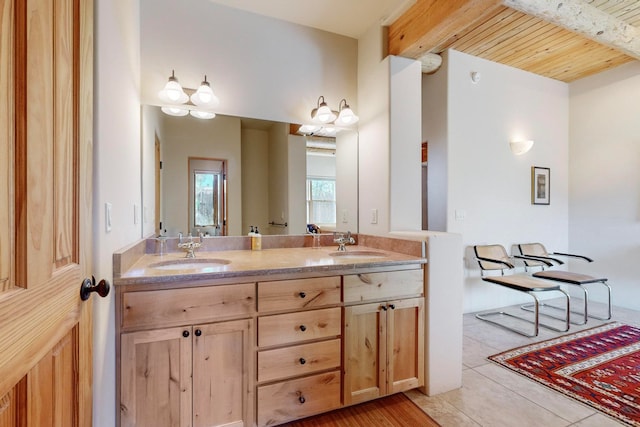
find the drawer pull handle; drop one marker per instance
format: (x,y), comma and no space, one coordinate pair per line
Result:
(185,334)
(198,332)
(392,307)
(384,308)
(302,295)
(302,361)
(303,328)
(301,399)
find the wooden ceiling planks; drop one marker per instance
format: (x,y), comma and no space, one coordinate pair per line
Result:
(510,37)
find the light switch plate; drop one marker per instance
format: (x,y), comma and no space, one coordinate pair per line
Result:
(107,217)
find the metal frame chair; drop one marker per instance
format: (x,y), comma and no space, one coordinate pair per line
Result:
(493,258)
(536,255)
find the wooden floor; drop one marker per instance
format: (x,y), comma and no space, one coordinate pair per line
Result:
(392,411)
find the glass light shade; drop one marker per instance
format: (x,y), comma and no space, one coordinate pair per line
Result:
(175,110)
(204,96)
(346,117)
(324,114)
(172,92)
(202,114)
(307,129)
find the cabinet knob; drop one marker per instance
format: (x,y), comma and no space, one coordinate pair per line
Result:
(198,332)
(383,307)
(185,334)
(302,361)
(303,328)
(302,295)
(301,399)
(392,307)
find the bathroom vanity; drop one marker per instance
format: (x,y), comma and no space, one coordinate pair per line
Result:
(237,337)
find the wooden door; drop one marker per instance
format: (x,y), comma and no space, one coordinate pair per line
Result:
(46,80)
(155,385)
(405,344)
(365,351)
(223,374)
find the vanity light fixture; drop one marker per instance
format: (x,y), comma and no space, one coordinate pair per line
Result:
(178,103)
(519,147)
(204,96)
(202,114)
(173,92)
(175,110)
(346,117)
(322,113)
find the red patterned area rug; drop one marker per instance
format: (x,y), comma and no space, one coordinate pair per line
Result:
(599,367)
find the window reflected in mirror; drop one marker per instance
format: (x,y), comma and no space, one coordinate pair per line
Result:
(207,196)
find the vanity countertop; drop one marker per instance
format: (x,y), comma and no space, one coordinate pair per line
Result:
(230,264)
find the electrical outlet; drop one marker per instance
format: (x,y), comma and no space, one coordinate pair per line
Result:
(345,216)
(374,216)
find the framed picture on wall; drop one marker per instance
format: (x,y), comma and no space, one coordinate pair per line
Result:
(540,185)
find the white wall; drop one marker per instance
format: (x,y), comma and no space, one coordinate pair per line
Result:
(405,182)
(186,137)
(150,128)
(116,175)
(389,138)
(255,179)
(435,107)
(347,144)
(259,67)
(604,171)
(487,184)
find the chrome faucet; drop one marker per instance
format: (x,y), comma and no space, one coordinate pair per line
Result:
(342,239)
(190,245)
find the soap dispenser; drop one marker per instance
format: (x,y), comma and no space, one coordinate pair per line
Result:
(256,240)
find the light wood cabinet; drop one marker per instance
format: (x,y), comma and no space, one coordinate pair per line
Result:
(188,376)
(383,349)
(268,352)
(187,356)
(299,366)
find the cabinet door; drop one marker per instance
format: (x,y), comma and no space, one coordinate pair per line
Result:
(155,378)
(223,373)
(364,352)
(405,344)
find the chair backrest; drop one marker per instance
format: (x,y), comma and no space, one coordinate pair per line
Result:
(496,252)
(533,249)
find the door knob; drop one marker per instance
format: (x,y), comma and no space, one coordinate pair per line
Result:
(89,285)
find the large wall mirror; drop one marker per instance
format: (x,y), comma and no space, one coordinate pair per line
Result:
(224,175)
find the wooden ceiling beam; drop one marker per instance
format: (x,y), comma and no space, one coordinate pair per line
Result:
(428,23)
(586,20)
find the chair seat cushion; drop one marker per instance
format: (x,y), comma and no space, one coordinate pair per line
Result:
(523,283)
(568,277)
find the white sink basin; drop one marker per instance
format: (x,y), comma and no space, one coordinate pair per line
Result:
(190,264)
(358,254)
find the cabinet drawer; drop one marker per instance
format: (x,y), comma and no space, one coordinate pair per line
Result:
(298,360)
(381,286)
(298,294)
(187,306)
(301,326)
(289,400)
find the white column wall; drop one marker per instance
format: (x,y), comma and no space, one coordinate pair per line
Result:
(489,187)
(117,177)
(604,171)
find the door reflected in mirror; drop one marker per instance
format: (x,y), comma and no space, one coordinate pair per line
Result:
(255,173)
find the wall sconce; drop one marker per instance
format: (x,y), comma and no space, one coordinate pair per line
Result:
(178,103)
(323,114)
(520,147)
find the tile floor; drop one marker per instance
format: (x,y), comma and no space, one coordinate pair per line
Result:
(494,396)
